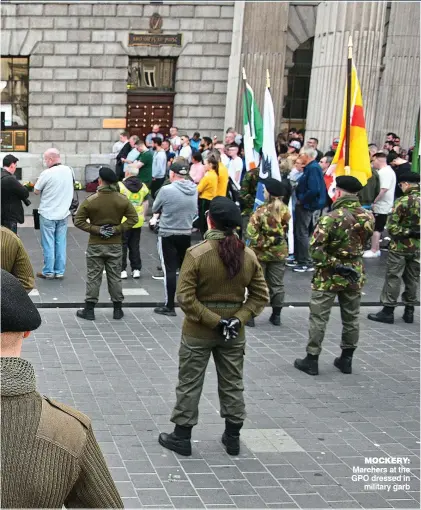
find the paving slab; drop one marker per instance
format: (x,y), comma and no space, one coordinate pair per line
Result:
(123,374)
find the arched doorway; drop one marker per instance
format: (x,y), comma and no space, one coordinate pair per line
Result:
(298,83)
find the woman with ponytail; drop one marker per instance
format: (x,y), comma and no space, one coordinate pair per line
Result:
(213,280)
(207,189)
(267,232)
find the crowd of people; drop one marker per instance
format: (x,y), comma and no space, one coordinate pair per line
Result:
(224,282)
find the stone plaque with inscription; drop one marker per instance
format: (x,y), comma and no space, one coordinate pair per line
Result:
(154,39)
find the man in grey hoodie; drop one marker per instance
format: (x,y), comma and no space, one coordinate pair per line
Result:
(177,205)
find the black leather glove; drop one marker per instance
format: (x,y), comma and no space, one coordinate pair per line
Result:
(348,273)
(233,327)
(106,231)
(277,240)
(222,328)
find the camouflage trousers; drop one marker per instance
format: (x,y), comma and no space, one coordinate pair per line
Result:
(274,276)
(405,267)
(194,355)
(321,303)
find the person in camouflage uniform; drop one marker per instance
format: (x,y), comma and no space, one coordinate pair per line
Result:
(266,232)
(337,247)
(248,195)
(403,261)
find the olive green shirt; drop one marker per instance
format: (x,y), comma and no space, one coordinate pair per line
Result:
(203,279)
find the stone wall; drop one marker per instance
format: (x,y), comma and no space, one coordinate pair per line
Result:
(78,70)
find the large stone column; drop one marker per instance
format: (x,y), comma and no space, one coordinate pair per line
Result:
(262,50)
(399,93)
(336,21)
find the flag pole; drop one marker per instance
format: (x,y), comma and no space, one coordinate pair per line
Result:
(348,106)
(246,97)
(267,79)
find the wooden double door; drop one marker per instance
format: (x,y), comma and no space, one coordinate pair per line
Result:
(145,110)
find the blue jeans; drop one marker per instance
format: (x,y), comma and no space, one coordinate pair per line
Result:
(53,242)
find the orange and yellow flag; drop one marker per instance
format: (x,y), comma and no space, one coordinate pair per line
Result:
(359,158)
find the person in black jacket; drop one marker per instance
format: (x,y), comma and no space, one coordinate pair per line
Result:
(12,194)
(124,152)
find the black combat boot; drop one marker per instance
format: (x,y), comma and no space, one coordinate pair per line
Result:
(251,323)
(118,312)
(408,314)
(385,315)
(275,318)
(178,441)
(88,312)
(231,437)
(344,362)
(309,364)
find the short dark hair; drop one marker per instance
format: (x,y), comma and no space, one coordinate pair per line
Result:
(392,134)
(9,160)
(197,157)
(392,156)
(230,130)
(315,139)
(125,133)
(390,142)
(157,140)
(292,130)
(233,145)
(196,133)
(329,154)
(380,155)
(207,139)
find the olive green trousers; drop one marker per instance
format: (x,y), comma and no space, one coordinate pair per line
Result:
(99,256)
(194,355)
(321,303)
(401,267)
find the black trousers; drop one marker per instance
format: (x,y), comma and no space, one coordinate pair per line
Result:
(11,225)
(131,243)
(203,207)
(156,186)
(172,250)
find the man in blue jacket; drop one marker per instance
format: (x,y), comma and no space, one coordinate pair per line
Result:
(311,196)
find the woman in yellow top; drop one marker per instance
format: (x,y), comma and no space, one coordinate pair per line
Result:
(207,189)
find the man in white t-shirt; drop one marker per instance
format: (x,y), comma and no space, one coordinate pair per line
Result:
(220,147)
(185,151)
(235,165)
(383,203)
(175,140)
(55,185)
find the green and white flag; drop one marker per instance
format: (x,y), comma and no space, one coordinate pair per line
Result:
(253,128)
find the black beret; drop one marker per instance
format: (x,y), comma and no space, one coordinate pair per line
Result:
(108,175)
(225,213)
(349,183)
(180,168)
(274,187)
(409,177)
(18,312)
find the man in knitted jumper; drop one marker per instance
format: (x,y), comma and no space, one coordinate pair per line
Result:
(49,453)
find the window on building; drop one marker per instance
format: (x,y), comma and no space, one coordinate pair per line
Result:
(14,103)
(296,101)
(151,74)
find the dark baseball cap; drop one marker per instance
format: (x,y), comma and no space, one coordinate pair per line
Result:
(180,168)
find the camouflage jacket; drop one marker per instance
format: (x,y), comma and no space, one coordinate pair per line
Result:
(266,235)
(339,238)
(404,222)
(248,191)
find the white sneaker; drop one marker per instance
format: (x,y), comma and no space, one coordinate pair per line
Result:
(369,254)
(136,273)
(123,275)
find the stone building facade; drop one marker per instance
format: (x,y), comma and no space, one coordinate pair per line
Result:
(79,58)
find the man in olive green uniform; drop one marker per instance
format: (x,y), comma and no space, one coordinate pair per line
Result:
(105,210)
(266,233)
(403,260)
(49,454)
(337,246)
